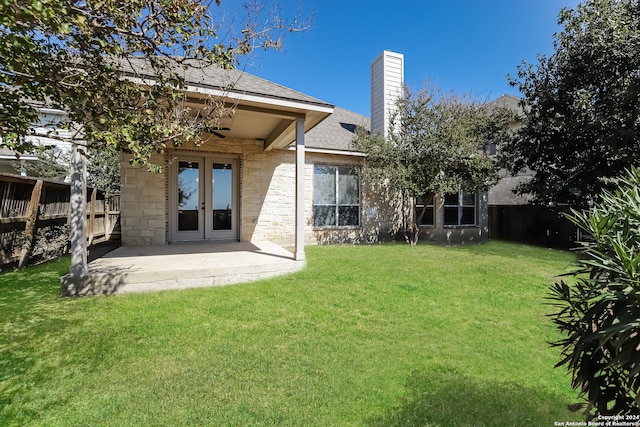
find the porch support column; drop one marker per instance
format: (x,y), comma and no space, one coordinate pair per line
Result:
(76,280)
(299,235)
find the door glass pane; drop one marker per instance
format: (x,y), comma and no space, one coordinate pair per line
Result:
(188,197)
(221,196)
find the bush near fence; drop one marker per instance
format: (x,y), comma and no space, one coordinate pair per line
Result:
(34,219)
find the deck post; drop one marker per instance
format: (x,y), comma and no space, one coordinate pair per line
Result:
(30,227)
(300,160)
(92,216)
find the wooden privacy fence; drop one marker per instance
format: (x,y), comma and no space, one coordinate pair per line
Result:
(34,218)
(538,225)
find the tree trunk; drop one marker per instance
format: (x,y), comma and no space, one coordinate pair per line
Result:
(415,234)
(415,218)
(411,228)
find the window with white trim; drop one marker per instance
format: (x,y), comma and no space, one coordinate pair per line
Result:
(460,209)
(428,218)
(336,196)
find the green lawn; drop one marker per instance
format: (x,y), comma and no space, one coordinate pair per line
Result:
(385,335)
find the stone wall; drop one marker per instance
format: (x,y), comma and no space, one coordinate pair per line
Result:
(267,201)
(268,196)
(143,216)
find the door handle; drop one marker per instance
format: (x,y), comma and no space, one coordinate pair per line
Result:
(202,206)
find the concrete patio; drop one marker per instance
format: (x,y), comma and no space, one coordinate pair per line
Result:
(181,266)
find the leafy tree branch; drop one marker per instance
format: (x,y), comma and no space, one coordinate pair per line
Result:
(435,144)
(582,115)
(117,68)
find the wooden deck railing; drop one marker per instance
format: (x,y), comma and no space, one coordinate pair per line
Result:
(34,217)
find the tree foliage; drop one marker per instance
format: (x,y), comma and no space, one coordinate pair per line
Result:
(599,313)
(51,166)
(70,55)
(582,118)
(435,144)
(103,167)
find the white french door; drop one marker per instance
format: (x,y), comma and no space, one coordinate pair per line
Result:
(203,199)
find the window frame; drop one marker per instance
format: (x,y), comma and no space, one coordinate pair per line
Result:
(432,206)
(337,205)
(460,206)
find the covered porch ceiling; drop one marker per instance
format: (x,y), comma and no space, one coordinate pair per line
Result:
(263,110)
(270,121)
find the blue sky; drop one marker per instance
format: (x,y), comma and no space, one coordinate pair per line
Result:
(462,45)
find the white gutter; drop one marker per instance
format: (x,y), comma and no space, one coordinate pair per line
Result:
(240,96)
(7,157)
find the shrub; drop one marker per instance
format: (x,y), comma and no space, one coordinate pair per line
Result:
(599,310)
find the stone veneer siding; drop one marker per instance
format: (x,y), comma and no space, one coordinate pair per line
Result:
(267,201)
(142,204)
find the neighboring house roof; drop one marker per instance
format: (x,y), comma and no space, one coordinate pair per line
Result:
(337,131)
(502,192)
(7,153)
(511,102)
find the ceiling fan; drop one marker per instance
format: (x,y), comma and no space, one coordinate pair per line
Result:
(214,131)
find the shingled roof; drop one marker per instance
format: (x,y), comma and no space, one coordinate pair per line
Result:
(232,81)
(337,131)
